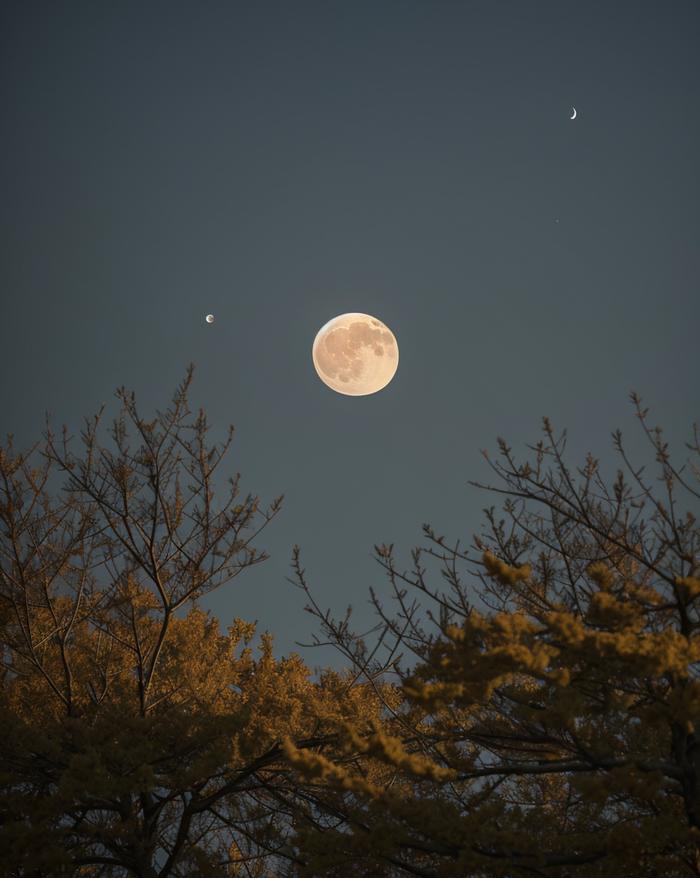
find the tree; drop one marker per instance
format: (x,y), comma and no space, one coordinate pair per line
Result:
(549,724)
(139,739)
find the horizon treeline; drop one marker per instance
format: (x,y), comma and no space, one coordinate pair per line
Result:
(527,705)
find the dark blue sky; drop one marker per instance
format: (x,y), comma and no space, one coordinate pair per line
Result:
(281,163)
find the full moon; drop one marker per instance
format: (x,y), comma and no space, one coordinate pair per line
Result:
(209,318)
(355,354)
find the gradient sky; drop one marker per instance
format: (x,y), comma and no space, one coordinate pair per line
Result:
(280,163)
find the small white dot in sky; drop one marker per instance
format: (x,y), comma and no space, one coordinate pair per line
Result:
(209,318)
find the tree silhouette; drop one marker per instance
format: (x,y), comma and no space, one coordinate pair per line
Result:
(549,719)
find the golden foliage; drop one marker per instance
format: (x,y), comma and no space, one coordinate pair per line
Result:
(505,573)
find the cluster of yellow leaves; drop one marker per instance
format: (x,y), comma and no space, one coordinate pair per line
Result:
(315,765)
(390,749)
(601,574)
(689,586)
(503,572)
(379,745)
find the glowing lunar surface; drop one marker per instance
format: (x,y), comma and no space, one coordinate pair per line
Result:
(355,354)
(574,114)
(209,318)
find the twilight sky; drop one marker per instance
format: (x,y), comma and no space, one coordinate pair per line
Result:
(278,163)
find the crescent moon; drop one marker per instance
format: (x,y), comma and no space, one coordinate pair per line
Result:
(573,116)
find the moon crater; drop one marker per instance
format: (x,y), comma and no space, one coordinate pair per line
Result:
(355,354)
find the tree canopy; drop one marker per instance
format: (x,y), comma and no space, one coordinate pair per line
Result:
(529,707)
(549,721)
(138,738)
